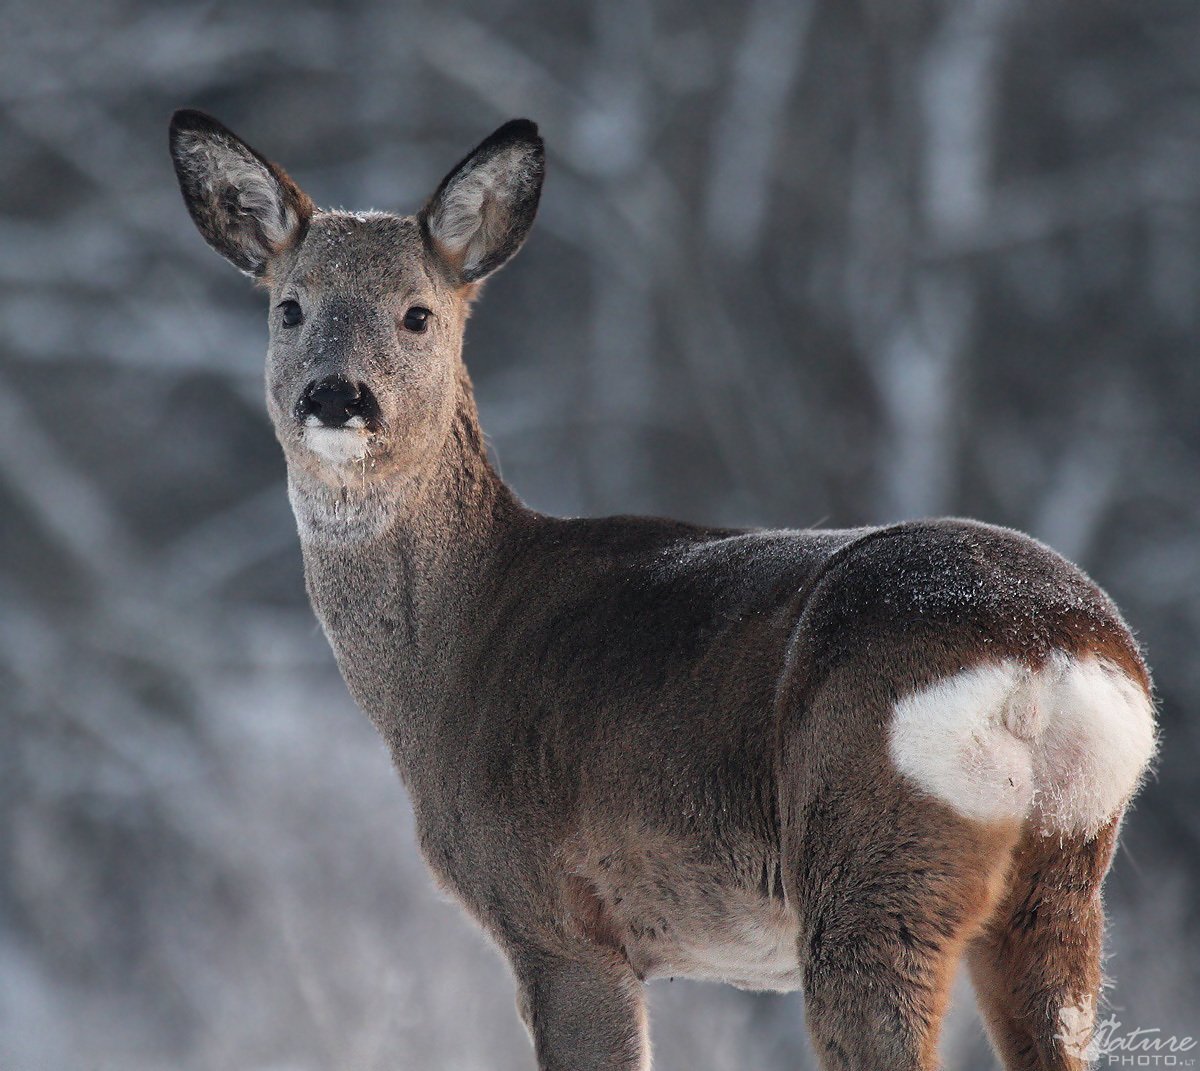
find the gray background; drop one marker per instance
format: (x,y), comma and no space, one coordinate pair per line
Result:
(797,263)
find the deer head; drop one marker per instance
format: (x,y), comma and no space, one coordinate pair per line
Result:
(367,310)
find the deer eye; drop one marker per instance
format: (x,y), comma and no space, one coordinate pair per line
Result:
(292,313)
(416,319)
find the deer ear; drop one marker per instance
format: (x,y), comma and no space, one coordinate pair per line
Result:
(482,211)
(246,207)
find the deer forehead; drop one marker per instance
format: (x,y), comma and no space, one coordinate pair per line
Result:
(370,253)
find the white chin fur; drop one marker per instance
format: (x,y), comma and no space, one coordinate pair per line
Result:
(338,445)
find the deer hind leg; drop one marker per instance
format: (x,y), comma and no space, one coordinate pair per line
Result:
(1059,748)
(889,903)
(1036,964)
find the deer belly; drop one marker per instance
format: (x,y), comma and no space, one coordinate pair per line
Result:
(747,949)
(729,935)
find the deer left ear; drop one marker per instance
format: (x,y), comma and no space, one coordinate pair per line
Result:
(482,211)
(247,208)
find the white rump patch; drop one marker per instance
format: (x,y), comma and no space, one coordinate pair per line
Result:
(339,445)
(1066,745)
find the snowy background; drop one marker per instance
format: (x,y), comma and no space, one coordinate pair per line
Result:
(797,263)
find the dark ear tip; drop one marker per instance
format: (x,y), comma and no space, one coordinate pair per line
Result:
(191,121)
(518,130)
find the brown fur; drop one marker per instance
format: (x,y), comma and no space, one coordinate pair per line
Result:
(638,747)
(1040,951)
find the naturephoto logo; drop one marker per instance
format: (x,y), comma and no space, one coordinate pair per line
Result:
(1110,1043)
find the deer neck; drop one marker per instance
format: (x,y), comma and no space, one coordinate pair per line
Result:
(396,568)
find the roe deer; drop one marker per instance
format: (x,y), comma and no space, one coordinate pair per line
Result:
(834,761)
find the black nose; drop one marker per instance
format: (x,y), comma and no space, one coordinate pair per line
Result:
(334,400)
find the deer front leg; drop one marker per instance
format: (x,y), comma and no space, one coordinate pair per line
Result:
(584,1008)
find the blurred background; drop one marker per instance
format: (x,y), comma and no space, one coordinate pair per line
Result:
(797,263)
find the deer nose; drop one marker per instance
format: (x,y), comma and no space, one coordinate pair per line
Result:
(333,401)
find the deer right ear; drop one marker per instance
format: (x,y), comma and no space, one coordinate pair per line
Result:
(247,208)
(482,211)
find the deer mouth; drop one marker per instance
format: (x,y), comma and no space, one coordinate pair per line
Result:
(342,445)
(338,419)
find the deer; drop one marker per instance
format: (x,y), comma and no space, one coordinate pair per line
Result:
(839,761)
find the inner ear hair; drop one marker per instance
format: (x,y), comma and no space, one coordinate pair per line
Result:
(482,211)
(246,207)
(470,218)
